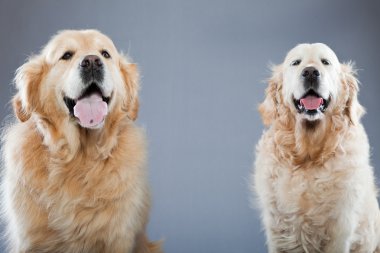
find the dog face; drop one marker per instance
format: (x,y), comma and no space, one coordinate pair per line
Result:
(311,79)
(311,83)
(80,76)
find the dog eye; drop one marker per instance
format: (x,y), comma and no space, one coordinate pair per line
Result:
(67,55)
(295,63)
(105,54)
(325,62)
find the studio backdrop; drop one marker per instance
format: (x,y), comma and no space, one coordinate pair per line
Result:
(203,67)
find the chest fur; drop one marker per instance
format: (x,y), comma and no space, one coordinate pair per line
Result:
(304,204)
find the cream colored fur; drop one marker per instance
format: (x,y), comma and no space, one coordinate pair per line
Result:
(314,183)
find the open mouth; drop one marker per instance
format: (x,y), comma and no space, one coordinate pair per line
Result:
(311,103)
(90,108)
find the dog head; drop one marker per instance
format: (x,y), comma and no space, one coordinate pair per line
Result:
(311,84)
(80,77)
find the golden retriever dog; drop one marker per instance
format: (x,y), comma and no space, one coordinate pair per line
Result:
(313,179)
(75,162)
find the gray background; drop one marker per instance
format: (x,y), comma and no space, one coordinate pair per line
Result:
(202,65)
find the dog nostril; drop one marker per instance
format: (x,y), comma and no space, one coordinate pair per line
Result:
(85,63)
(305,73)
(98,62)
(316,73)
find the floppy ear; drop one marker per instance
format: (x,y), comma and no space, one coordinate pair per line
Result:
(131,80)
(268,108)
(354,110)
(27,81)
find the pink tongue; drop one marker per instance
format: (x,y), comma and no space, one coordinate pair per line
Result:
(311,102)
(90,110)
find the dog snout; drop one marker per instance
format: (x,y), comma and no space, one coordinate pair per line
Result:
(310,73)
(311,78)
(91,62)
(92,69)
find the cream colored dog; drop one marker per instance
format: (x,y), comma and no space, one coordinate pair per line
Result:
(75,178)
(313,179)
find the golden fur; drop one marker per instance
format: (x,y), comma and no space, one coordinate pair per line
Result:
(313,179)
(68,188)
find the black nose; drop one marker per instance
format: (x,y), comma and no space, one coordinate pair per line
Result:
(91,62)
(91,69)
(310,73)
(311,78)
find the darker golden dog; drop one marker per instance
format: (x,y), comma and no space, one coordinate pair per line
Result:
(75,178)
